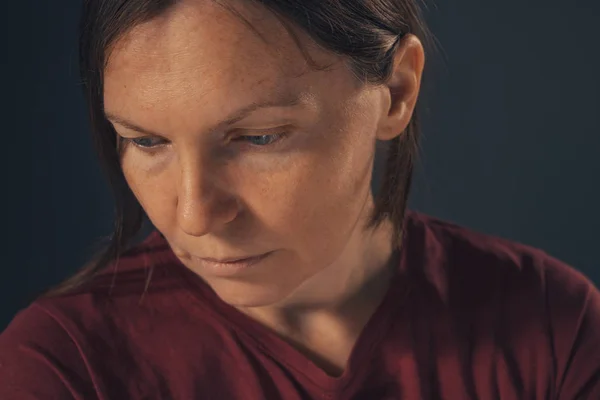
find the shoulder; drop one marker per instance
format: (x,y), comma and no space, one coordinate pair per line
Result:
(473,259)
(538,306)
(460,250)
(122,288)
(35,344)
(58,339)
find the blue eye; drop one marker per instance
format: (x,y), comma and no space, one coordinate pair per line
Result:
(263,140)
(145,142)
(149,143)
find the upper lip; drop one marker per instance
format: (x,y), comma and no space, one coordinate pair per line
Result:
(231,259)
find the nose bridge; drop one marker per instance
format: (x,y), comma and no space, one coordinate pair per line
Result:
(200,204)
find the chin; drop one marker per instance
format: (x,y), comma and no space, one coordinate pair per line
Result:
(249,295)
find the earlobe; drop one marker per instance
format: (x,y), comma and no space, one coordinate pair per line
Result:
(402,89)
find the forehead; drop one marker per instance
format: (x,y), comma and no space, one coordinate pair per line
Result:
(199,50)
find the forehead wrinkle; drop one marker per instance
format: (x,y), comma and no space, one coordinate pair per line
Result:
(281,98)
(192,82)
(190,72)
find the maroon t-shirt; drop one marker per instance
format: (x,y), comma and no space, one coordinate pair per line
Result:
(467,316)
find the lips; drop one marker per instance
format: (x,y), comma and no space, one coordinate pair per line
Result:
(230,268)
(231,260)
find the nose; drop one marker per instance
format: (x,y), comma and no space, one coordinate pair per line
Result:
(201,206)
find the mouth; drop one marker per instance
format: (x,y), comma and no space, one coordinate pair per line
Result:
(229,267)
(232,260)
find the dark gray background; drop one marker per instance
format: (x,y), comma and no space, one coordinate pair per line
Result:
(510,141)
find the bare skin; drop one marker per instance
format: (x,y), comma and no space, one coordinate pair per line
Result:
(240,190)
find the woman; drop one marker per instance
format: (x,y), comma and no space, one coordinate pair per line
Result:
(246,132)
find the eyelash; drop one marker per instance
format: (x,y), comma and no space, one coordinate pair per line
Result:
(277,138)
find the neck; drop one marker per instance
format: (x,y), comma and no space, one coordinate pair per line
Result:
(343,296)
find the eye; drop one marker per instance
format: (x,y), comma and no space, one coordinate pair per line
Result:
(263,140)
(146,142)
(149,143)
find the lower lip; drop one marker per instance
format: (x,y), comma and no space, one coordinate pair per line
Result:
(232,268)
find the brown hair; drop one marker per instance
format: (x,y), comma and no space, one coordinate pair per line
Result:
(365,32)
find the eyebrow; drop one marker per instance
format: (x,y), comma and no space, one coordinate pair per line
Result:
(283,101)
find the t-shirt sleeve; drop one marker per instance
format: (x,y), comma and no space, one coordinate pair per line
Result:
(574,305)
(39,360)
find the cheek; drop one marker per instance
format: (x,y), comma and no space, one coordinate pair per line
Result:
(153,189)
(314,203)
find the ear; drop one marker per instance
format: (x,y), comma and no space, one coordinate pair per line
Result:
(402,89)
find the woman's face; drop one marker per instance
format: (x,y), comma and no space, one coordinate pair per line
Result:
(292,178)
